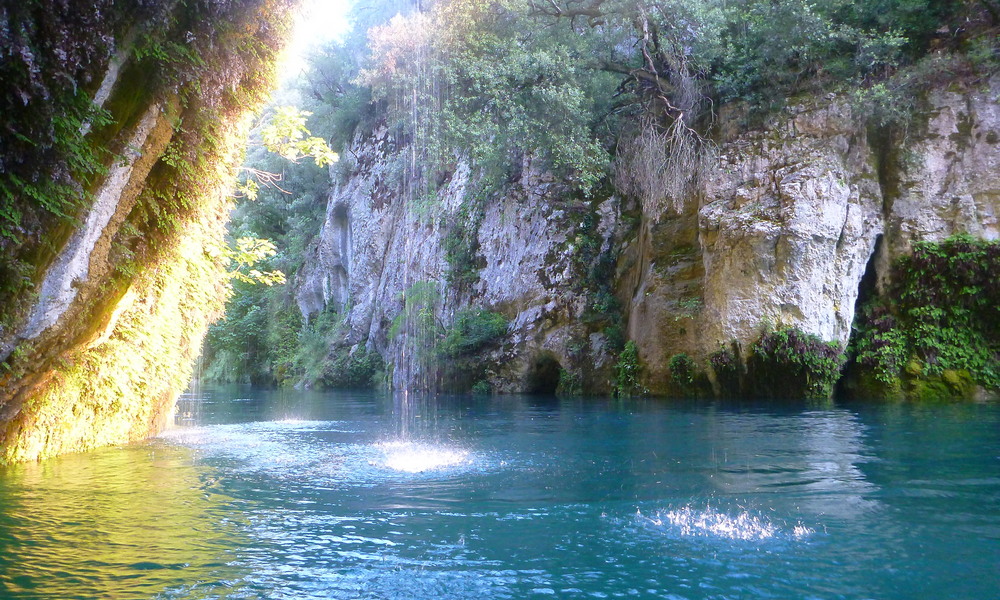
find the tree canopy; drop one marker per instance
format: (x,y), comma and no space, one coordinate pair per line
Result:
(565,81)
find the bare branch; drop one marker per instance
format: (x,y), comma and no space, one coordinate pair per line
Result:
(571,9)
(662,84)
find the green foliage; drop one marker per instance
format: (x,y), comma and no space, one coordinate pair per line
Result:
(471,77)
(482,388)
(247,253)
(340,105)
(894,101)
(682,370)
(353,370)
(597,265)
(570,383)
(472,330)
(451,356)
(67,188)
(628,372)
(557,85)
(312,357)
(417,319)
(788,363)
(283,133)
(281,342)
(263,340)
(51,61)
(767,47)
(882,349)
(15,282)
(273,225)
(287,136)
(237,348)
(461,245)
(291,216)
(943,314)
(687,308)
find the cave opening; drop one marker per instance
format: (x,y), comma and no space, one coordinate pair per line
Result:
(867,291)
(543,379)
(868,286)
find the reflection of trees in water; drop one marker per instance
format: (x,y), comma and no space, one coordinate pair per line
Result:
(113,524)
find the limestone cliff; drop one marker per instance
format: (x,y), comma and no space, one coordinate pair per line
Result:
(375,245)
(780,234)
(124,123)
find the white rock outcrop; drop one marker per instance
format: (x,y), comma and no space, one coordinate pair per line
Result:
(780,234)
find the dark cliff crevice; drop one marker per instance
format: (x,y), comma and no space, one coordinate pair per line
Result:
(868,293)
(543,379)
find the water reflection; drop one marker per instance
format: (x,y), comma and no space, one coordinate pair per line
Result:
(817,459)
(117,523)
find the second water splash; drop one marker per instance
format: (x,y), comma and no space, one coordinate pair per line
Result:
(707,522)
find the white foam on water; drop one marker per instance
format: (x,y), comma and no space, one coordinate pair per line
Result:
(412,457)
(689,521)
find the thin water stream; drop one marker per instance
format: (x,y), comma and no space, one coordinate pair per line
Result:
(259,494)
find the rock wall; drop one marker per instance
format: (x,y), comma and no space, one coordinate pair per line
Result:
(376,243)
(780,233)
(106,304)
(794,214)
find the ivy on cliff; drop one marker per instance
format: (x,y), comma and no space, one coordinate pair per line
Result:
(56,144)
(942,314)
(789,363)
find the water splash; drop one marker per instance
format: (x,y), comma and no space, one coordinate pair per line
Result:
(689,521)
(411,457)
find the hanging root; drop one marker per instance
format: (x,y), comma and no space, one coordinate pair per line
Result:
(661,166)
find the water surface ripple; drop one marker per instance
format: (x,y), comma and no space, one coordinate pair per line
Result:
(295,495)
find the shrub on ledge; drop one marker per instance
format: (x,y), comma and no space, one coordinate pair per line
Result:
(789,363)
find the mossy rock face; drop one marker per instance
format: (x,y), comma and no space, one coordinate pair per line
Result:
(867,387)
(933,390)
(951,385)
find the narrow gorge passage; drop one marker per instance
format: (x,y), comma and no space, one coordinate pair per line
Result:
(499,299)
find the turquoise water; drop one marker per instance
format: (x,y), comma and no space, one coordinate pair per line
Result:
(293,495)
